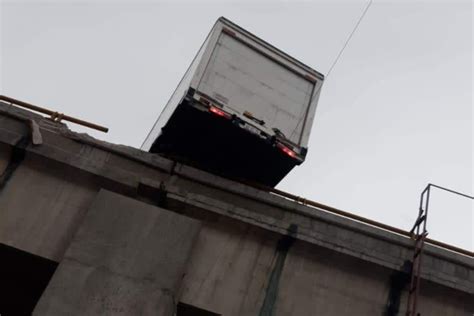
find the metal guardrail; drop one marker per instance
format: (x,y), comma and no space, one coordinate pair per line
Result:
(55,116)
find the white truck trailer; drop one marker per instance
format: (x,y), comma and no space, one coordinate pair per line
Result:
(244,109)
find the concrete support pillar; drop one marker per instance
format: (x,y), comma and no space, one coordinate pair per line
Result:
(128,258)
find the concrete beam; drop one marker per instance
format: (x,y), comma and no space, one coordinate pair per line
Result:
(127,258)
(368,247)
(230,267)
(43,223)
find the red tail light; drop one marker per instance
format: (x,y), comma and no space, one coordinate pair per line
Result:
(219,112)
(287,150)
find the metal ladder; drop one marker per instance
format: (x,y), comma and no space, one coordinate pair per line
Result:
(419,233)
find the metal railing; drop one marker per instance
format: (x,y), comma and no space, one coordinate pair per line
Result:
(55,116)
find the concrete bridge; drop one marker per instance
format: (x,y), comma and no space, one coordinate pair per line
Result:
(93,228)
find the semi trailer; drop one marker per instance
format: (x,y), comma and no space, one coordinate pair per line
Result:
(243,110)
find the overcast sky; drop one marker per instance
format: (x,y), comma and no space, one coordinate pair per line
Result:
(395,114)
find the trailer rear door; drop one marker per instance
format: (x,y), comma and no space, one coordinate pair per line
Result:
(246,79)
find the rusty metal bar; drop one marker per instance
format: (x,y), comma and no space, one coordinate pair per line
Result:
(363,219)
(53,114)
(339,212)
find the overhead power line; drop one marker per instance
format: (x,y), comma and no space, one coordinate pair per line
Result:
(337,58)
(349,38)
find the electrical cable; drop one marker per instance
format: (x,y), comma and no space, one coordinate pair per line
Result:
(338,56)
(349,38)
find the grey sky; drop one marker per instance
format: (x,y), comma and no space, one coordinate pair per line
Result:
(395,114)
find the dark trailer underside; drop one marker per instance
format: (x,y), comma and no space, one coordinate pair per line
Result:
(207,138)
